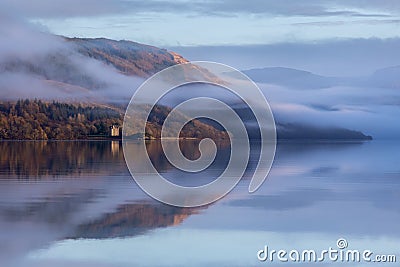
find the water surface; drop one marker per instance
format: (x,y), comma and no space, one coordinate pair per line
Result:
(75,204)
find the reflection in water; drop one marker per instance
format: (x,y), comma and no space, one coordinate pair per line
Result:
(115,145)
(55,209)
(92,197)
(36,159)
(189,148)
(134,219)
(138,159)
(314,194)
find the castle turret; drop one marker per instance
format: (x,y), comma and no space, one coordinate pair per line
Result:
(114,130)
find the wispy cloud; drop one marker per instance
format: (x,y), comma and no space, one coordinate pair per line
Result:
(165,22)
(72,8)
(343,22)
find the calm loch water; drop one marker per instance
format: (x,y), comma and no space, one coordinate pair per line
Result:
(75,204)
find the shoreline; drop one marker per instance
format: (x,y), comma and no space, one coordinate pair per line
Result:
(199,139)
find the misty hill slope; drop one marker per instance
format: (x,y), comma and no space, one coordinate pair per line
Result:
(300,131)
(113,69)
(81,70)
(83,75)
(135,59)
(128,57)
(291,131)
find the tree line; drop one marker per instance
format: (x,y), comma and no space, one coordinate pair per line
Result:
(41,120)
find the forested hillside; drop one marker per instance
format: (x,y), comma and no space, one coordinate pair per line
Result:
(41,120)
(38,120)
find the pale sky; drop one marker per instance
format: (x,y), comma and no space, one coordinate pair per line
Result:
(235,22)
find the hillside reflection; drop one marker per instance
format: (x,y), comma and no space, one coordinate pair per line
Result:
(133,219)
(35,159)
(49,159)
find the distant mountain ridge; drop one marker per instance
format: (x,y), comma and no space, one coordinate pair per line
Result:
(290,77)
(300,79)
(387,77)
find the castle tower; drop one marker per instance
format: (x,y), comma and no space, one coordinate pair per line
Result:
(114,130)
